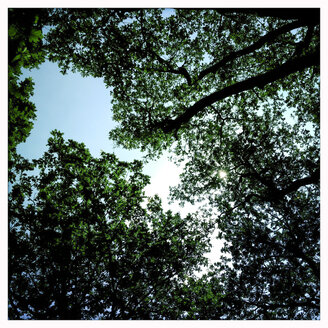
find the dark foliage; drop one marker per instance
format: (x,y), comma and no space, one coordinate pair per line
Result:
(225,90)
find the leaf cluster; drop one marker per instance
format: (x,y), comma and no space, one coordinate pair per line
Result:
(24,51)
(83,245)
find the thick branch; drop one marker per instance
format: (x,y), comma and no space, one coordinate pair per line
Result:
(315,267)
(268,38)
(259,81)
(295,251)
(314,178)
(305,43)
(277,194)
(303,14)
(169,69)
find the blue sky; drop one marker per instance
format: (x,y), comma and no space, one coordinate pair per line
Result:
(80,107)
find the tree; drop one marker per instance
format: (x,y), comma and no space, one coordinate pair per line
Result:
(166,70)
(267,211)
(82,245)
(224,89)
(24,51)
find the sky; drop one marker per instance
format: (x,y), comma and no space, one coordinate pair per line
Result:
(80,107)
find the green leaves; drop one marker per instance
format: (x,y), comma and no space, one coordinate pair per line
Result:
(231,90)
(88,231)
(12,31)
(149,57)
(35,36)
(24,45)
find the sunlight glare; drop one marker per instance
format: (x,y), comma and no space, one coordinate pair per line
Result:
(222,174)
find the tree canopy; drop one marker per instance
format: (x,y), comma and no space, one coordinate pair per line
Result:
(234,95)
(82,246)
(24,51)
(171,70)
